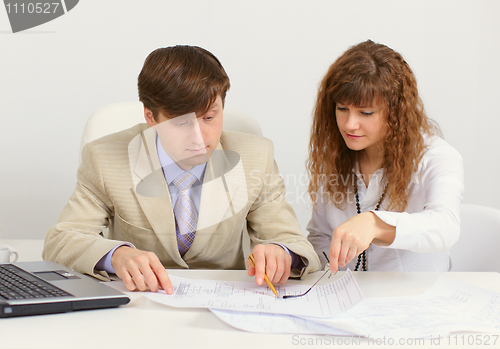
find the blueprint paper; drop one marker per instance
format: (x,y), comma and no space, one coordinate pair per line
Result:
(275,323)
(322,301)
(448,306)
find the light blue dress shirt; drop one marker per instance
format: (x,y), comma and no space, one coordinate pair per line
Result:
(171,171)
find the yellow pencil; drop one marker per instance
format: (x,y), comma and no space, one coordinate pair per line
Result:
(266,279)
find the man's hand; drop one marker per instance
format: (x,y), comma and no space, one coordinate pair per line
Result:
(272,260)
(140,270)
(355,235)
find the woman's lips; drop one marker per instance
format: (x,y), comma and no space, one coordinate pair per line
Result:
(352,136)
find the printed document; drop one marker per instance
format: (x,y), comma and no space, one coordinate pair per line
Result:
(322,301)
(448,306)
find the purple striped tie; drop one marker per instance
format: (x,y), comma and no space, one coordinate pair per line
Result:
(186,217)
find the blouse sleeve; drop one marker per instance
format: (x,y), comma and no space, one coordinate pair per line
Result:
(437,226)
(320,232)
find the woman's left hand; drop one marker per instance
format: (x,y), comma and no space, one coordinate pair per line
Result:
(355,235)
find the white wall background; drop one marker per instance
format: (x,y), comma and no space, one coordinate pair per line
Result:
(54,76)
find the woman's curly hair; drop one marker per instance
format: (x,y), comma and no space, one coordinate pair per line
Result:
(365,74)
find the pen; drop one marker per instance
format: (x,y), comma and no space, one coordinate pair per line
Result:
(266,279)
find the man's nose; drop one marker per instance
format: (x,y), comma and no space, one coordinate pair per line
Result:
(196,134)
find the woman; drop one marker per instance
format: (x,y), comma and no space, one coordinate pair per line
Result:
(382,180)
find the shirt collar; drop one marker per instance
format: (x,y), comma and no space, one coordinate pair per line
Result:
(377,173)
(171,170)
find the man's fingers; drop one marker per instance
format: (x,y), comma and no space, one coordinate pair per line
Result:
(271,260)
(271,268)
(150,279)
(137,277)
(250,267)
(259,271)
(283,271)
(127,280)
(260,263)
(162,275)
(140,270)
(282,266)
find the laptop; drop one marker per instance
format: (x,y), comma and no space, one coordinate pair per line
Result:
(35,288)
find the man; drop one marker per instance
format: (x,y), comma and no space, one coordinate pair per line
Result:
(177,192)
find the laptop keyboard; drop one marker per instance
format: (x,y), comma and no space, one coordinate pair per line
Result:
(15,283)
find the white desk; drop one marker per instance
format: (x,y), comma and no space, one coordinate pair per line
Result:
(143,323)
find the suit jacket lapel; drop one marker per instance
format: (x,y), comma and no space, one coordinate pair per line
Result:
(152,193)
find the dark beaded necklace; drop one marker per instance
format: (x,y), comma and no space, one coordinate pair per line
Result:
(362,255)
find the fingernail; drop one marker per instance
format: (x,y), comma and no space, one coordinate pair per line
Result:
(170,290)
(259,281)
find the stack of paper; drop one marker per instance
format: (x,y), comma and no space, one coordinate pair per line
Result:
(338,308)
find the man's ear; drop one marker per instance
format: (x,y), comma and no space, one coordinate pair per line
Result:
(150,119)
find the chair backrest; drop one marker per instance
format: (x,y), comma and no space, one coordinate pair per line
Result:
(120,116)
(478,247)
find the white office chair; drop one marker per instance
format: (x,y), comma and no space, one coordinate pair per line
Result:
(120,116)
(478,248)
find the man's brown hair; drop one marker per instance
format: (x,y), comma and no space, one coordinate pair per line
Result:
(178,80)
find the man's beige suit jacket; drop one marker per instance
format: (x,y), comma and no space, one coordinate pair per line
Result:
(121,187)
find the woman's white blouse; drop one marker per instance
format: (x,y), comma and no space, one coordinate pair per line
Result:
(427,228)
